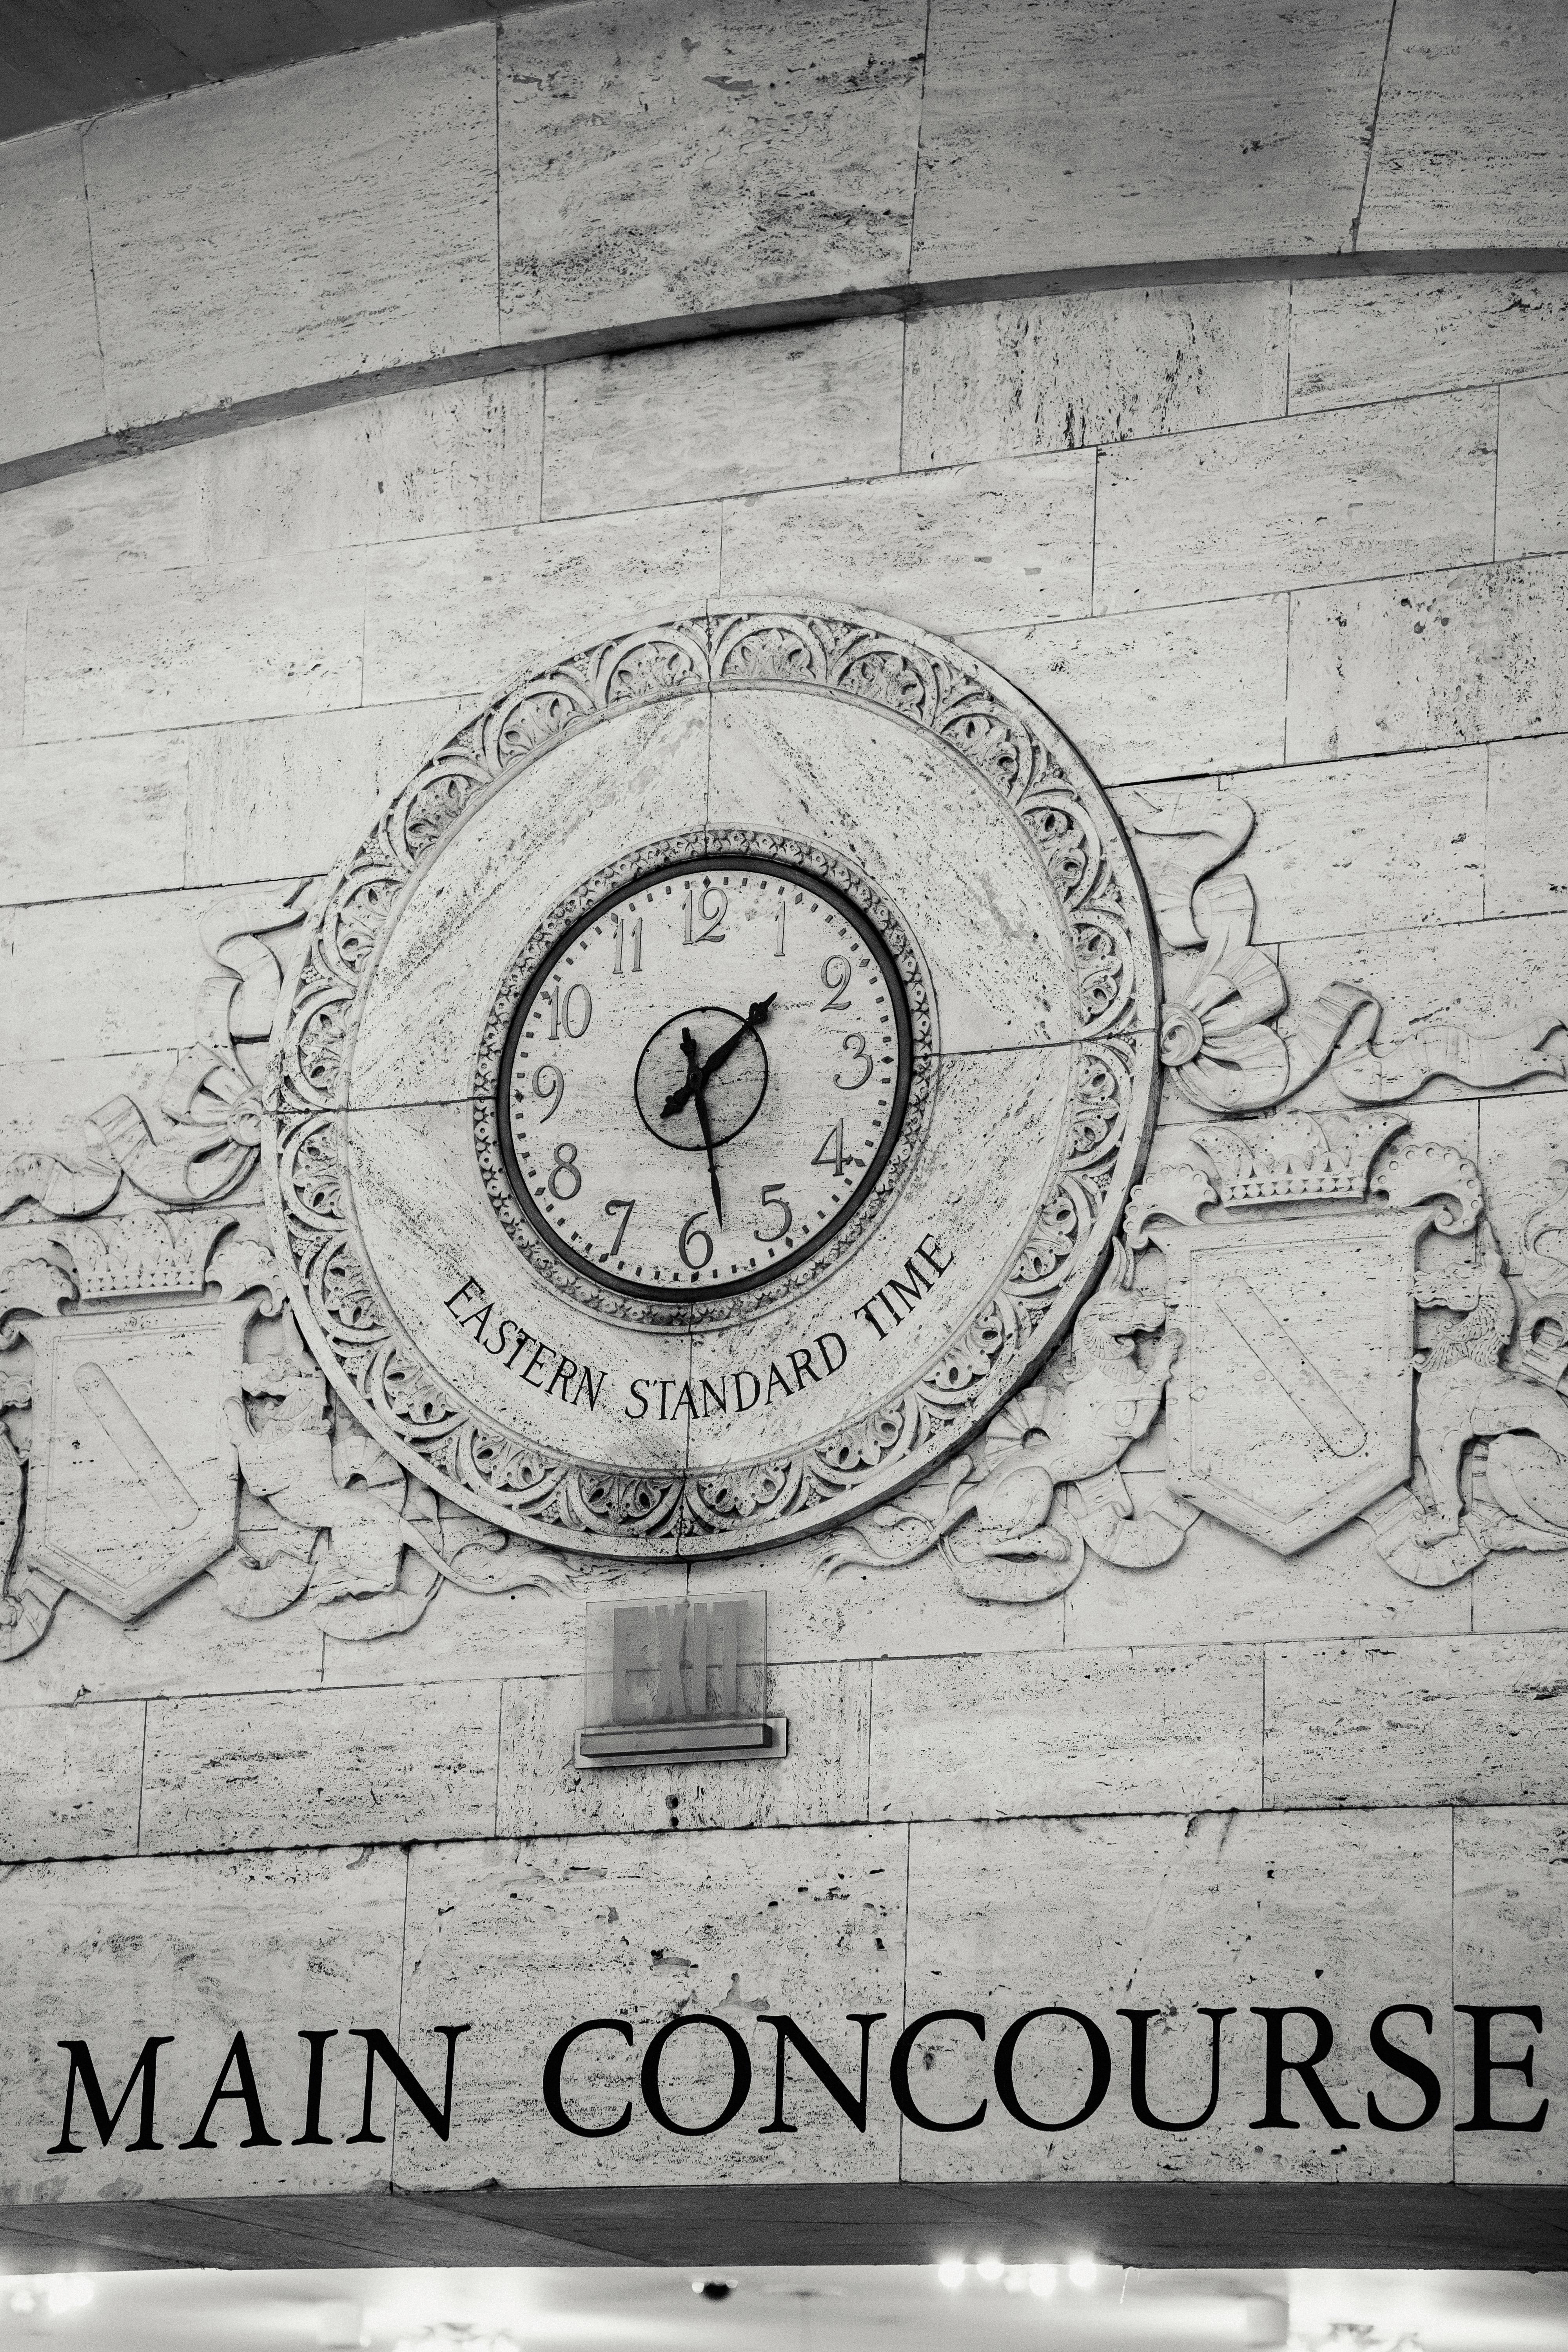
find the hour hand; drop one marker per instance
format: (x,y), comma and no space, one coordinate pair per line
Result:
(678,1100)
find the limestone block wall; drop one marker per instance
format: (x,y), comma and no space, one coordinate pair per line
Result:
(580,172)
(1308,542)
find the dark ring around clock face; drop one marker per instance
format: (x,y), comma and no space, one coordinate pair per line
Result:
(801,876)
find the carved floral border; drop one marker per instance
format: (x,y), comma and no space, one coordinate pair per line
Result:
(1031,766)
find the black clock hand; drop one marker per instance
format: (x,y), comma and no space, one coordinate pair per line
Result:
(699,1084)
(700,1074)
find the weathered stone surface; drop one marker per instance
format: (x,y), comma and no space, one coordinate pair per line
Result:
(979,548)
(1175,692)
(1522,1592)
(1287,504)
(1355,340)
(1454,657)
(880,1613)
(181,648)
(1342,1914)
(188,1644)
(131,516)
(98,941)
(823,1778)
(375,176)
(198,1948)
(271,796)
(654,163)
(1532,468)
(1510,1947)
(1111,1731)
(73,1775)
(452,615)
(1003,379)
(1481,976)
(320,1767)
(703,420)
(1526,783)
(12,665)
(1479,1720)
(44,1100)
(1469,148)
(1223,1586)
(104,815)
(51,373)
(743,1925)
(457,456)
(1408,835)
(1274,114)
(464,1636)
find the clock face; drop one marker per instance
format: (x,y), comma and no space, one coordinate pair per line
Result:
(705,1077)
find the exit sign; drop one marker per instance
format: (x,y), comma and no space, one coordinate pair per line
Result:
(678,1681)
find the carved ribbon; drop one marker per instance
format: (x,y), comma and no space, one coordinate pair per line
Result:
(1229,1040)
(211,1105)
(1365,1072)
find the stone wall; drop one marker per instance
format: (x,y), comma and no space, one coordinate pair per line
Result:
(1305,539)
(586,172)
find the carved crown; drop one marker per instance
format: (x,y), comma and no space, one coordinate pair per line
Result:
(146,1254)
(1298,1155)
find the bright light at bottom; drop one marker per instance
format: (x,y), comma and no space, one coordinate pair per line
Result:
(1043,2279)
(989,2268)
(1083,2270)
(71,2294)
(950,2273)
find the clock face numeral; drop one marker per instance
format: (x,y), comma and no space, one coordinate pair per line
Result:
(574,1015)
(696,1243)
(862,1064)
(773,1199)
(706,908)
(565,1176)
(620,966)
(719,1130)
(829,1152)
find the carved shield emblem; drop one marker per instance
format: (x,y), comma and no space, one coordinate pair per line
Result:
(1289,1409)
(134,1483)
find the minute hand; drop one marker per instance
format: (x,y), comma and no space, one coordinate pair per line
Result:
(698,1076)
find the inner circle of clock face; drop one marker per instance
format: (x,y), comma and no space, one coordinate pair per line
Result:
(704,1078)
(732,1054)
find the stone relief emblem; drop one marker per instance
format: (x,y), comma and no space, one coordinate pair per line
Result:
(167,1412)
(1290,1411)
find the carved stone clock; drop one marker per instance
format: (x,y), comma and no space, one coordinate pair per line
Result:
(713,1083)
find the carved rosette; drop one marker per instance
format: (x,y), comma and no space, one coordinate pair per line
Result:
(354,1328)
